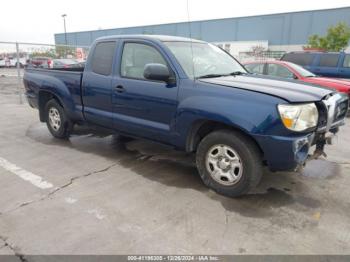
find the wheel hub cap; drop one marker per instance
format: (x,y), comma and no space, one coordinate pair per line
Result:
(224,165)
(54,118)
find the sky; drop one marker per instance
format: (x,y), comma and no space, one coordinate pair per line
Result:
(36,21)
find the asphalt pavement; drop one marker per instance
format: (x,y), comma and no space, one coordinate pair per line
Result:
(97,194)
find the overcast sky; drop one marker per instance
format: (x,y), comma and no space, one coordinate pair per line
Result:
(38,20)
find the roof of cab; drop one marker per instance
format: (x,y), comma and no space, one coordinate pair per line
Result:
(162,38)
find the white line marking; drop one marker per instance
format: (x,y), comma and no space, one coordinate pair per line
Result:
(25,175)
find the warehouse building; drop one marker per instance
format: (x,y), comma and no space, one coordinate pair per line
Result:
(275,32)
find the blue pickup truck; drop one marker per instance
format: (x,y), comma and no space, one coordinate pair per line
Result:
(330,64)
(195,97)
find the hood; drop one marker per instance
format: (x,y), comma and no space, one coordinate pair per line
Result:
(339,84)
(289,90)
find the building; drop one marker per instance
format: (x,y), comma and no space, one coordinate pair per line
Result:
(275,32)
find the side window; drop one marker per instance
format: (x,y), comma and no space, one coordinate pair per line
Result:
(279,71)
(255,68)
(346,61)
(302,59)
(136,56)
(102,58)
(329,60)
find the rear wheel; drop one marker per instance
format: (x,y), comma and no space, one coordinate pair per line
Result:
(229,162)
(56,120)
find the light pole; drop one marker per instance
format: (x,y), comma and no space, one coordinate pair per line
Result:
(65,33)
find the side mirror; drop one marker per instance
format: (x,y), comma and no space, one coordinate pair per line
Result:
(295,77)
(156,72)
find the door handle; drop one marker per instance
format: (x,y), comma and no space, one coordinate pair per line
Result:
(120,89)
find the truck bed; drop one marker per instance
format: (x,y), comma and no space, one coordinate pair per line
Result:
(66,81)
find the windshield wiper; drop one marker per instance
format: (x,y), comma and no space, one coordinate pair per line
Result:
(210,76)
(236,73)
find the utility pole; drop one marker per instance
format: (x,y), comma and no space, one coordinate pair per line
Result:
(65,33)
(18,65)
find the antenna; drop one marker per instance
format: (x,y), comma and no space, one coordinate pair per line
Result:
(190,31)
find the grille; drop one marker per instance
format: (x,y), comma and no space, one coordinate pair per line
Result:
(340,110)
(336,106)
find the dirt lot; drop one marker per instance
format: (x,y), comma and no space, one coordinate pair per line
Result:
(99,195)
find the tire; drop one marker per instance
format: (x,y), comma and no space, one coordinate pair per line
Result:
(56,120)
(229,162)
(124,139)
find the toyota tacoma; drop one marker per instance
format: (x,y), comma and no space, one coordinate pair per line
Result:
(195,97)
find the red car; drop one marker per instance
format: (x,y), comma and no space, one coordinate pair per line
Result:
(293,71)
(42,62)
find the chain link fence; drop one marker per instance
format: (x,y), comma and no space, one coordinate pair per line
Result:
(14,57)
(260,56)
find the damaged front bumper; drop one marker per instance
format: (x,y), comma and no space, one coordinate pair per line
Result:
(335,108)
(291,153)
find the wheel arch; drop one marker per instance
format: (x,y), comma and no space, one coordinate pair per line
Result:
(43,97)
(202,128)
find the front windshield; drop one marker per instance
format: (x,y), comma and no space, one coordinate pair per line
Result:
(302,71)
(208,59)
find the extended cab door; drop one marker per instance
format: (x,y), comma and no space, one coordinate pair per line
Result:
(97,85)
(143,107)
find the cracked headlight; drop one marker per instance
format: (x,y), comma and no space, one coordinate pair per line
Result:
(299,117)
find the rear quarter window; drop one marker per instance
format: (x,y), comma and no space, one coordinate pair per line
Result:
(102,58)
(329,60)
(302,59)
(346,61)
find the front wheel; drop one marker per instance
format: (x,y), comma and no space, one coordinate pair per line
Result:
(229,162)
(56,120)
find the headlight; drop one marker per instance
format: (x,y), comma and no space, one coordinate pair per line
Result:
(299,117)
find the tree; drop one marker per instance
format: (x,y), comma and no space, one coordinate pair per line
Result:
(65,51)
(336,39)
(257,50)
(46,53)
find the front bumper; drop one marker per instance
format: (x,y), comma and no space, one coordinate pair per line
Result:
(289,153)
(285,153)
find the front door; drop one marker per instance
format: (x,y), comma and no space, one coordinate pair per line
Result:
(143,107)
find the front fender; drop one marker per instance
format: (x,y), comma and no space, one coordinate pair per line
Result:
(250,112)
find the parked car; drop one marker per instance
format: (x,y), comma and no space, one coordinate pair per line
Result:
(41,62)
(65,63)
(11,61)
(3,61)
(292,71)
(322,63)
(22,62)
(195,97)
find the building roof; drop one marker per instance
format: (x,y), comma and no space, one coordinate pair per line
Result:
(293,28)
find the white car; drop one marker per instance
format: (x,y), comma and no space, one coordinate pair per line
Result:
(22,62)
